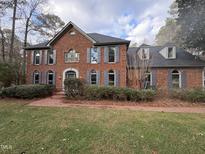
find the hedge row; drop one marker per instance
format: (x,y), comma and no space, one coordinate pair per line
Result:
(27,91)
(119,94)
(191,95)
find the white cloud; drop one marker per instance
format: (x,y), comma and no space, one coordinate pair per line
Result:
(136,20)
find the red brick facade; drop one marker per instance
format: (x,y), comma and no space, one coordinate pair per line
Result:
(80,43)
(194,78)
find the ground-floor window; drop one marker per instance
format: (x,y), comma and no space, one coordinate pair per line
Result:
(93,77)
(111,78)
(70,74)
(176,79)
(148,80)
(50,77)
(36,77)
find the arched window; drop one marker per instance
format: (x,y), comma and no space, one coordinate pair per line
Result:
(36,57)
(72,56)
(148,80)
(70,74)
(93,77)
(50,77)
(111,78)
(176,79)
(36,77)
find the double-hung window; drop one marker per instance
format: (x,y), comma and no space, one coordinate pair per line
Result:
(111,78)
(50,57)
(176,79)
(93,77)
(111,54)
(94,56)
(50,78)
(36,57)
(36,77)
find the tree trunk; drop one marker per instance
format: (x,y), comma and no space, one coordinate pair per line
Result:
(24,51)
(13,31)
(3,44)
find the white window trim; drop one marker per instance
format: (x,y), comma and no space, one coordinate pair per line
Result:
(35,73)
(114,73)
(90,55)
(34,57)
(76,61)
(48,58)
(180,78)
(148,53)
(69,69)
(150,78)
(50,72)
(203,78)
(114,54)
(91,73)
(174,52)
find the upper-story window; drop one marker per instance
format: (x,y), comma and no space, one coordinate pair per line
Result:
(72,56)
(50,57)
(111,54)
(170,52)
(93,56)
(36,57)
(145,54)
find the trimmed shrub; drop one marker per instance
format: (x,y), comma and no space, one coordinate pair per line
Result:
(118,94)
(28,91)
(191,95)
(74,88)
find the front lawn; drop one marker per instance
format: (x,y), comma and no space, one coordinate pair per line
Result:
(82,130)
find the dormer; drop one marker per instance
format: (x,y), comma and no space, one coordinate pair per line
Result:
(144,53)
(169,52)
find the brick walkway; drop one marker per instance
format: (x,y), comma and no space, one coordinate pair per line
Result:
(164,105)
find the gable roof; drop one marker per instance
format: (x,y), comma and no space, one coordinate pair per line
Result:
(95,38)
(183,58)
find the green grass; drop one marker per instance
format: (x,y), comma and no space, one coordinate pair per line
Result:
(82,130)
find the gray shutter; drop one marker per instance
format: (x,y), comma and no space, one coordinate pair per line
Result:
(32,78)
(183,79)
(98,77)
(41,57)
(117,78)
(88,55)
(45,57)
(154,78)
(32,57)
(99,54)
(40,77)
(117,56)
(88,76)
(106,54)
(44,79)
(105,78)
(170,78)
(54,57)
(54,78)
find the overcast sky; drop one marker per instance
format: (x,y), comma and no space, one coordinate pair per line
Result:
(135,20)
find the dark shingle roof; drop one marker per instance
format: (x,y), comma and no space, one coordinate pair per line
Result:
(104,39)
(38,46)
(183,58)
(99,38)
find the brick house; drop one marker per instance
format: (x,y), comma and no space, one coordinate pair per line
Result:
(104,60)
(167,67)
(97,58)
